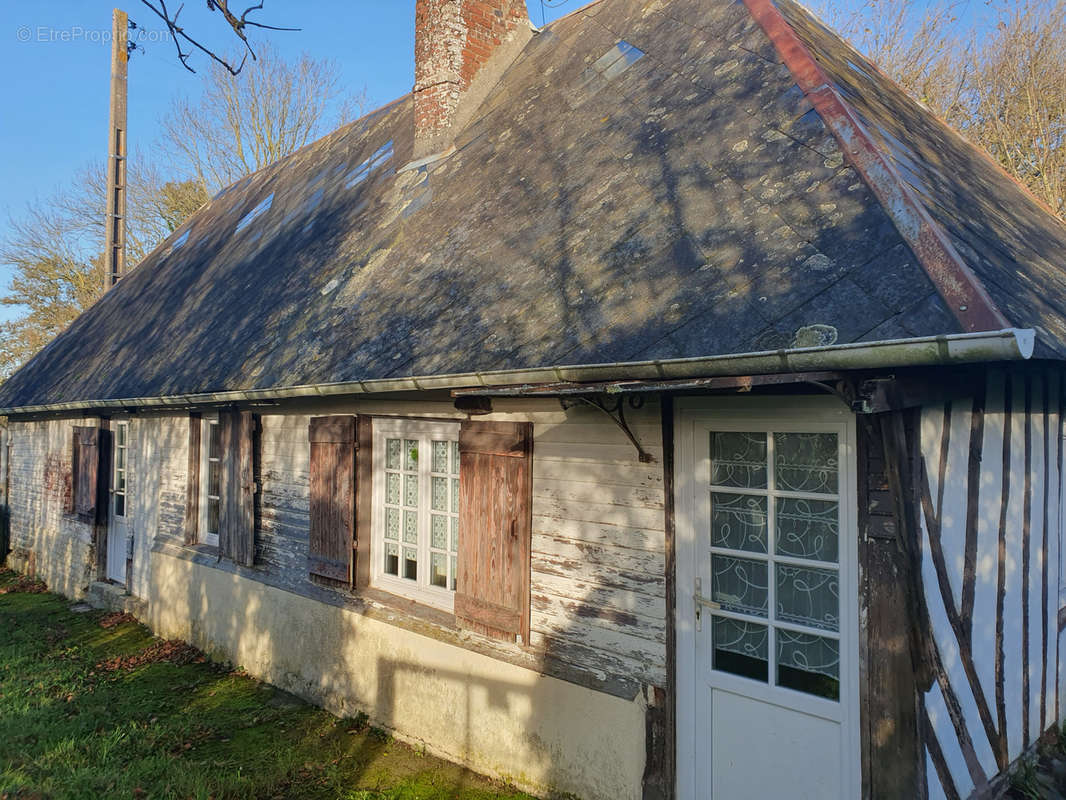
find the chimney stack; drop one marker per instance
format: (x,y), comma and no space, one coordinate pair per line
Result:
(462,47)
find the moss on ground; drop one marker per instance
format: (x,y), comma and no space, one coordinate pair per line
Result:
(88,711)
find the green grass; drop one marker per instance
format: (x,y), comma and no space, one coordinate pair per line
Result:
(77,722)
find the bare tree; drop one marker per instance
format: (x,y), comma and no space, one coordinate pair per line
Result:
(238,24)
(1000,81)
(54,250)
(241,123)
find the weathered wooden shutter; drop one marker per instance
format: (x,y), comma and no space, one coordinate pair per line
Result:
(192,488)
(86,490)
(332,538)
(495,527)
(364,499)
(70,493)
(236,523)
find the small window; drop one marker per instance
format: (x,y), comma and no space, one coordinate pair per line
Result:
(181,240)
(415,540)
(211,472)
(119,479)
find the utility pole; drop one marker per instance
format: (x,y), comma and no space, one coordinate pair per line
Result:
(115,245)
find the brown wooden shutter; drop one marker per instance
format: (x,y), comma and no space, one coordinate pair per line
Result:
(192,489)
(495,527)
(236,523)
(70,493)
(364,499)
(332,535)
(86,491)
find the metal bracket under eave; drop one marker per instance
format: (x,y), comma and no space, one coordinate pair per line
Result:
(614,408)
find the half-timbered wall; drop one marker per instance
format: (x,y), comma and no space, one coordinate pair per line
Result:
(990,493)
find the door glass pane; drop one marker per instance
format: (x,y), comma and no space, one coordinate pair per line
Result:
(738,522)
(392,523)
(410,452)
(392,488)
(440,493)
(738,459)
(739,584)
(214,440)
(808,663)
(740,648)
(392,558)
(410,564)
(808,597)
(213,478)
(121,434)
(410,527)
(410,491)
(393,448)
(440,456)
(808,528)
(438,532)
(120,458)
(806,462)
(120,505)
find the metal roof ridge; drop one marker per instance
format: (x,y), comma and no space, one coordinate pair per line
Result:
(955,282)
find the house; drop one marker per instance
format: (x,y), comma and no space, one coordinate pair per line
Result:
(658,404)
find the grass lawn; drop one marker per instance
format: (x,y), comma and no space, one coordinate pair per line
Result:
(91,706)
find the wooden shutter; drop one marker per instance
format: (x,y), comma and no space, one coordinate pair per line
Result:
(87,490)
(70,493)
(192,488)
(236,523)
(332,537)
(495,527)
(364,499)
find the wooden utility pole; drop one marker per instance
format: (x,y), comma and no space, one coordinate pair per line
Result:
(115,246)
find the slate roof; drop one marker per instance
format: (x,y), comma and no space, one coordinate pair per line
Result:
(646,181)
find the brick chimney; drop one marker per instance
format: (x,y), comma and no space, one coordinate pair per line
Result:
(462,47)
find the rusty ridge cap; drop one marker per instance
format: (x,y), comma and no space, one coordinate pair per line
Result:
(956,283)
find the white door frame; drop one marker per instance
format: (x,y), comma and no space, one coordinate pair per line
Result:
(791,411)
(118,527)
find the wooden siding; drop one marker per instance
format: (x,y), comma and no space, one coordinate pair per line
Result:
(990,494)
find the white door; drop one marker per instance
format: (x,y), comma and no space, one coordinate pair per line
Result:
(117,520)
(767,601)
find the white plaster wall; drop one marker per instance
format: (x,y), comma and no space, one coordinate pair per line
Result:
(510,722)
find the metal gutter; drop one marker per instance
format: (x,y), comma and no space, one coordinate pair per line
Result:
(1010,344)
(956,283)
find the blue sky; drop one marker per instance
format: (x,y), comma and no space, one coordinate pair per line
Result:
(57,57)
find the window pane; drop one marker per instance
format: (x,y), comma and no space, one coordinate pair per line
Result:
(438,570)
(120,458)
(455,495)
(410,564)
(392,488)
(212,516)
(454,573)
(214,440)
(440,494)
(120,505)
(738,522)
(740,648)
(410,451)
(808,529)
(393,448)
(410,527)
(392,558)
(121,435)
(455,534)
(213,478)
(738,459)
(439,532)
(455,458)
(440,456)
(808,663)
(739,584)
(410,491)
(392,523)
(808,597)
(806,462)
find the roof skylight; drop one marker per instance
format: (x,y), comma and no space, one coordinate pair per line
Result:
(361,172)
(180,240)
(617,60)
(256,212)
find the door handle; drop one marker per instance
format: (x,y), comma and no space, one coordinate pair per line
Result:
(701,603)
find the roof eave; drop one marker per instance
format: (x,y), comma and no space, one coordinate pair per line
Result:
(1009,344)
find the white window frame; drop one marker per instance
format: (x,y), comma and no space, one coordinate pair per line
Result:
(203,535)
(124,447)
(424,431)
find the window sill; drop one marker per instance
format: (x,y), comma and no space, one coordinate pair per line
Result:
(204,549)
